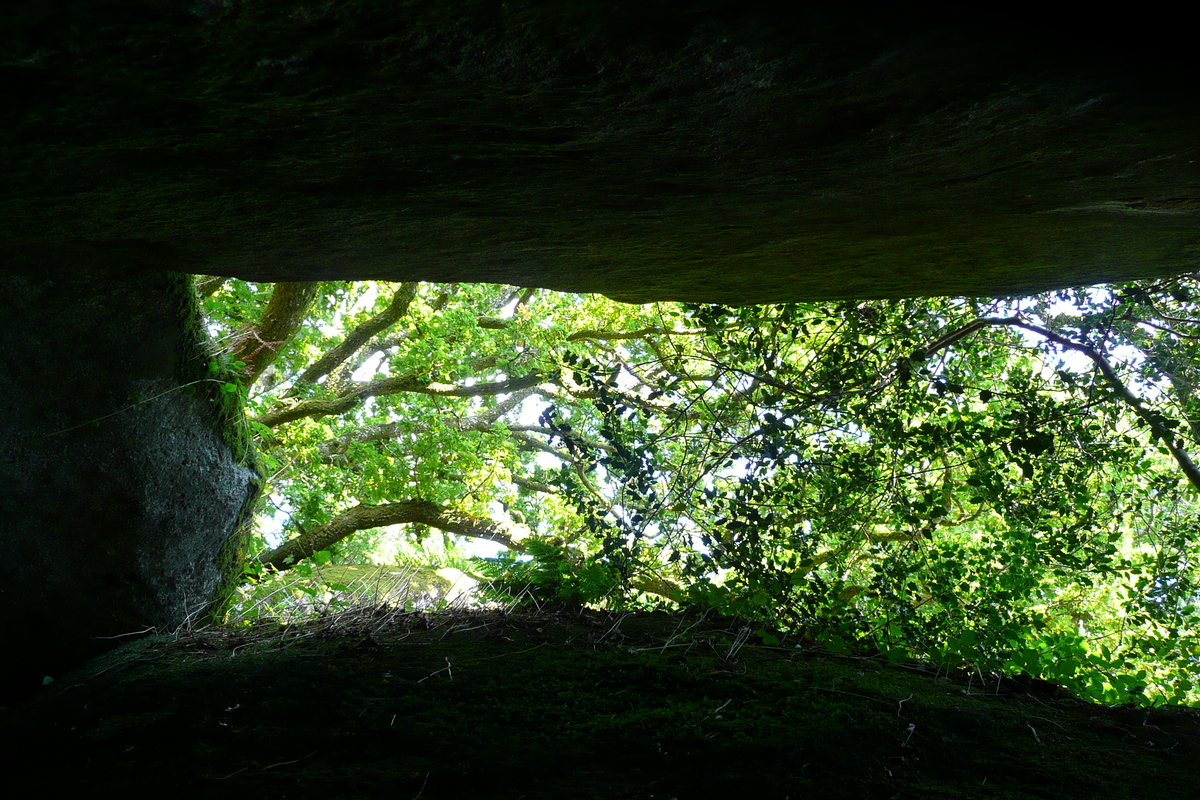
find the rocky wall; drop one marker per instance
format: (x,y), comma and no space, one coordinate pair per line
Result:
(720,151)
(124,474)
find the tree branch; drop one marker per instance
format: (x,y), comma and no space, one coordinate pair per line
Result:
(208,285)
(526,297)
(402,298)
(1165,329)
(283,316)
(537,444)
(365,517)
(580,336)
(1155,422)
(399,385)
(332,449)
(535,486)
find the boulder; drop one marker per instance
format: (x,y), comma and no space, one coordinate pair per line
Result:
(712,151)
(720,151)
(125,477)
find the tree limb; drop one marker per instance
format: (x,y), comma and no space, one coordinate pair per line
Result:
(493,323)
(1165,329)
(283,316)
(526,297)
(289,412)
(402,298)
(535,486)
(365,517)
(421,512)
(332,449)
(208,285)
(1155,422)
(580,336)
(537,444)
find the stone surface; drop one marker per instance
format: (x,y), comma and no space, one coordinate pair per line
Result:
(706,151)
(714,151)
(120,489)
(508,705)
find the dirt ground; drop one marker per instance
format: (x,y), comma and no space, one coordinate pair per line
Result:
(379,703)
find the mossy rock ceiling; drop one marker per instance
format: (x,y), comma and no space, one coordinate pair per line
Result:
(694,151)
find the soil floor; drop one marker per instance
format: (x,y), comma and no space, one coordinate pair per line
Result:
(382,704)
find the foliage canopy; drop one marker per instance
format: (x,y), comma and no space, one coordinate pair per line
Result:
(1003,484)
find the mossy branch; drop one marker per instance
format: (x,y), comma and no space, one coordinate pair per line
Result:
(364,517)
(283,316)
(357,392)
(402,298)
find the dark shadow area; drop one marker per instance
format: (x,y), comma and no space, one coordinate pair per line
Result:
(376,703)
